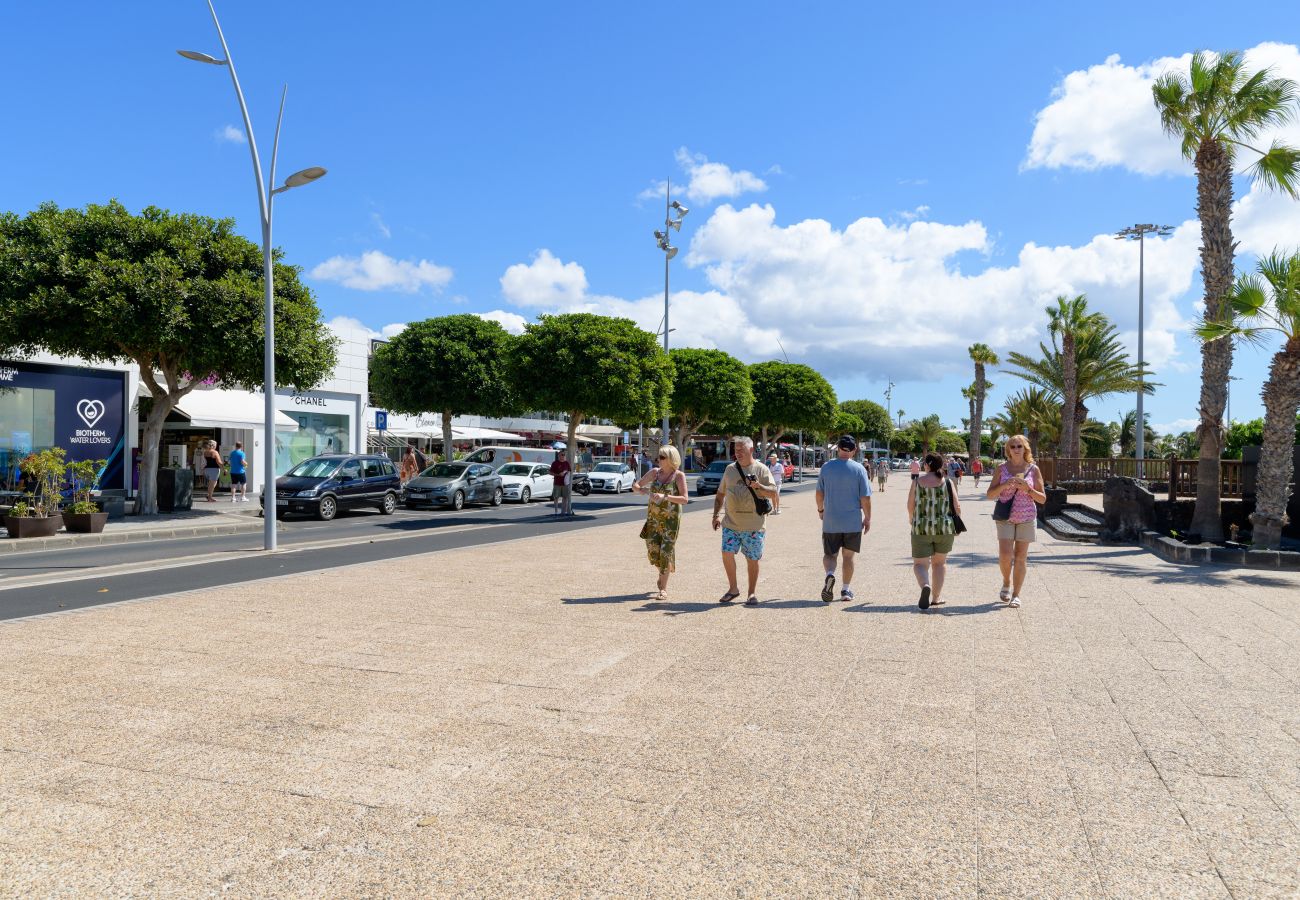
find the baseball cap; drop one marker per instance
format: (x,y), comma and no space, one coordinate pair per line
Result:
(847,442)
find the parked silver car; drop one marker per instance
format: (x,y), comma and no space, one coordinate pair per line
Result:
(454,484)
(711,477)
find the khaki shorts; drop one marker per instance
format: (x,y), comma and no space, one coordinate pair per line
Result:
(1016,531)
(926,545)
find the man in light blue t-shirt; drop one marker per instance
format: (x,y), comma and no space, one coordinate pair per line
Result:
(844,505)
(238,474)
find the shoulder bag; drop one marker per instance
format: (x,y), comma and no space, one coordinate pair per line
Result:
(958,526)
(1002,508)
(762,505)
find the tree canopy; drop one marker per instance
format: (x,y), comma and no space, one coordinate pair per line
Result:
(875,421)
(452,365)
(709,387)
(179,294)
(590,365)
(790,397)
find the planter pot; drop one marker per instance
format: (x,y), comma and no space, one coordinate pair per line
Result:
(85,523)
(25,527)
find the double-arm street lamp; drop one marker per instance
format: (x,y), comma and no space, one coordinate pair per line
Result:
(661,238)
(265,201)
(1138,233)
(889,414)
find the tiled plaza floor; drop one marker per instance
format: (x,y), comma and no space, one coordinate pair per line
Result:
(518,720)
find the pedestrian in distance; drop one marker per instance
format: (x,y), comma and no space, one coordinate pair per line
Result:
(211,467)
(954,470)
(976,470)
(238,474)
(778,476)
(882,472)
(844,506)
(410,465)
(1017,485)
(666,485)
(562,493)
(915,468)
(931,506)
(744,497)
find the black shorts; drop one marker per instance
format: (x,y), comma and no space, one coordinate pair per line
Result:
(833,542)
(238,478)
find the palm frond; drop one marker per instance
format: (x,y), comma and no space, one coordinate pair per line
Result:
(1279,169)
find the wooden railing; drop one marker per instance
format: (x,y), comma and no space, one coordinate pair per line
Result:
(1177,477)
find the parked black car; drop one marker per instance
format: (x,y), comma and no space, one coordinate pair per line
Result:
(454,484)
(323,485)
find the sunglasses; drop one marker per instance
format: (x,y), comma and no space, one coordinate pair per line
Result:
(1015,446)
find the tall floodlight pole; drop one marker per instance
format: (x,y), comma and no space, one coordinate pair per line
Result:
(661,238)
(1139,233)
(889,414)
(265,202)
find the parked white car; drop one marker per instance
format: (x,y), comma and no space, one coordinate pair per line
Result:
(526,481)
(612,477)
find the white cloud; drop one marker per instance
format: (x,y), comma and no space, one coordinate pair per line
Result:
(708,181)
(348,326)
(381,225)
(544,282)
(376,271)
(511,322)
(1104,116)
(911,215)
(1177,426)
(229,133)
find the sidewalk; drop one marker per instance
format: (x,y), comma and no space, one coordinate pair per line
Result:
(219,517)
(518,720)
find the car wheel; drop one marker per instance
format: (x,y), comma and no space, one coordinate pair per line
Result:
(389,506)
(525,495)
(458,501)
(496,496)
(327,509)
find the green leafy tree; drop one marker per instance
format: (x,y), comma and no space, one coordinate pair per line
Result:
(981,355)
(846,423)
(949,442)
(453,365)
(790,397)
(1127,429)
(1263,304)
(1213,112)
(1032,412)
(1099,439)
(592,366)
(927,432)
(180,295)
(875,420)
(709,387)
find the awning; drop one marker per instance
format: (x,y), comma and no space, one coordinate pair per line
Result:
(474,433)
(230,409)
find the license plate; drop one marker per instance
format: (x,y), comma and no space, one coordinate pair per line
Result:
(281,502)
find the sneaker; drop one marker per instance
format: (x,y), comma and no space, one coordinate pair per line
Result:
(828,589)
(925,598)
(846,594)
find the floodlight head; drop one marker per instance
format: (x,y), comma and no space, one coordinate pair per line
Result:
(681,210)
(660,236)
(671,251)
(675,223)
(201,57)
(304,176)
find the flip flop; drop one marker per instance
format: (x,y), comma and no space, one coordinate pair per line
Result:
(729,596)
(752,601)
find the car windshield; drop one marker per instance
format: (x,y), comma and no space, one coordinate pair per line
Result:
(719,465)
(607,467)
(516,469)
(444,470)
(314,468)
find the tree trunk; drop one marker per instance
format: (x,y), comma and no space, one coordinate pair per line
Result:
(1214,207)
(1070,399)
(575,419)
(977,415)
(762,441)
(162,401)
(1281,397)
(447,452)
(1080,417)
(1033,442)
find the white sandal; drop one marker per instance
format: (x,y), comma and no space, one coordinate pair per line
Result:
(1015,602)
(1005,594)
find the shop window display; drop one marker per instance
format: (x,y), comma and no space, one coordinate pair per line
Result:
(317,433)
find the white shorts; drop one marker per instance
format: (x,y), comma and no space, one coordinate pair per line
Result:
(1016,531)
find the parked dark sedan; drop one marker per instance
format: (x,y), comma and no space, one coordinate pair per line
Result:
(323,485)
(454,484)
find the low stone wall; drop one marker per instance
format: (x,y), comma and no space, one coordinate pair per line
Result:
(1169,549)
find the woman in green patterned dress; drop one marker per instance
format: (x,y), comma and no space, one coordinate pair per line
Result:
(930,506)
(666,486)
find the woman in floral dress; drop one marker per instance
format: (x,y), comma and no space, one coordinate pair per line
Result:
(666,485)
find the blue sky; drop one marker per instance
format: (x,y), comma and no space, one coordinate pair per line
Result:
(872,188)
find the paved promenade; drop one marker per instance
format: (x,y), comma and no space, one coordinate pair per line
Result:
(518,720)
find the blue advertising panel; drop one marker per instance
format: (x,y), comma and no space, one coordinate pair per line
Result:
(81,410)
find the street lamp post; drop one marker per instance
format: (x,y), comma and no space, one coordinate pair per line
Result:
(889,414)
(1139,233)
(265,203)
(661,238)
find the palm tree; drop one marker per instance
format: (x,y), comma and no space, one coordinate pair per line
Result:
(1101,368)
(1213,112)
(1128,432)
(928,431)
(1033,412)
(1070,321)
(1263,302)
(982,356)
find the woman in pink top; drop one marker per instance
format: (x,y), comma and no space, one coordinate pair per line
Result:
(1019,481)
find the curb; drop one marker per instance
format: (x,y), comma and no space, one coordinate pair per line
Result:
(60,542)
(1175,551)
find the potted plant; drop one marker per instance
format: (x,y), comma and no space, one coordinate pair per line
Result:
(83,515)
(38,515)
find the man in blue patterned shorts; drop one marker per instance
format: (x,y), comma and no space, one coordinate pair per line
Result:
(742,526)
